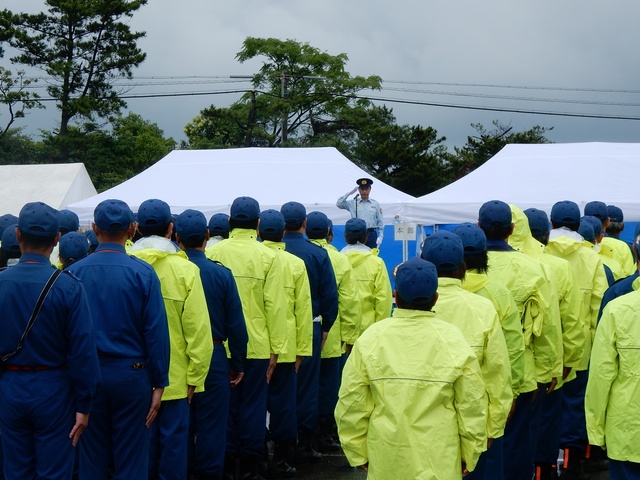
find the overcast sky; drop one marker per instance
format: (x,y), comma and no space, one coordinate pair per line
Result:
(578,57)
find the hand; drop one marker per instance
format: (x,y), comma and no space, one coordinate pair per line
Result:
(513,409)
(465,472)
(156,398)
(365,467)
(299,360)
(552,385)
(273,360)
(82,420)
(565,372)
(379,241)
(347,349)
(352,191)
(324,339)
(190,391)
(236,378)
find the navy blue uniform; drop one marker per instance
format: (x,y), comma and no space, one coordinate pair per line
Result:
(132,340)
(324,299)
(209,409)
(59,369)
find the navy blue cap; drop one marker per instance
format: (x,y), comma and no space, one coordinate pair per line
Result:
(9,239)
(73,245)
(317,224)
(91,237)
(69,221)
(595,223)
(112,215)
(473,238)
(154,213)
(586,229)
(443,249)
(293,212)
(191,224)
(271,222)
(615,213)
(636,236)
(597,209)
(364,182)
(219,224)
(565,213)
(538,221)
(494,211)
(245,208)
(39,219)
(6,220)
(355,226)
(416,281)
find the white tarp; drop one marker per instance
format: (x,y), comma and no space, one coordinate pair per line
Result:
(57,185)
(209,180)
(538,176)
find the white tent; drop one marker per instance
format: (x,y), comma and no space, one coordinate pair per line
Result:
(539,176)
(209,180)
(57,185)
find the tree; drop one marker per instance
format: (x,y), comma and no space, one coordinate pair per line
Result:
(17,149)
(486,144)
(15,96)
(84,46)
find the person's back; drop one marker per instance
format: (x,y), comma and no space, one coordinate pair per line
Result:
(412,401)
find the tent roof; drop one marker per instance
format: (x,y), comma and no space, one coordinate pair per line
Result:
(209,181)
(539,176)
(57,185)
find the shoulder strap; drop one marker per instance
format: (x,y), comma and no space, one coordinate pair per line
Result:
(34,314)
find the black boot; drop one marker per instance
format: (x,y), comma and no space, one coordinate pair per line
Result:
(596,461)
(572,465)
(546,471)
(250,468)
(231,467)
(279,468)
(305,453)
(326,438)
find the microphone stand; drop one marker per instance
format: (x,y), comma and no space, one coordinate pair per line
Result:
(356,200)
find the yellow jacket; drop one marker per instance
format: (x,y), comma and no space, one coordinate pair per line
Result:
(619,251)
(187,314)
(590,279)
(373,287)
(412,401)
(611,400)
(476,317)
(345,329)
(299,337)
(502,300)
(258,275)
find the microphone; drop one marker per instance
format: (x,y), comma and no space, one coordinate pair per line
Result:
(356,197)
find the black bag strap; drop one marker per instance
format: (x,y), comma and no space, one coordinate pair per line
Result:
(34,314)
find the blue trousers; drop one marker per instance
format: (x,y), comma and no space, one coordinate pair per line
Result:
(308,385)
(518,450)
(619,470)
(246,427)
(209,416)
(330,376)
(37,412)
(117,422)
(573,430)
(491,463)
(283,424)
(547,435)
(169,437)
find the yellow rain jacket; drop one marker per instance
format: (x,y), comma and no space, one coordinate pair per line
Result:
(619,251)
(616,268)
(611,400)
(373,286)
(412,401)
(502,300)
(258,275)
(345,329)
(295,281)
(477,319)
(589,277)
(187,314)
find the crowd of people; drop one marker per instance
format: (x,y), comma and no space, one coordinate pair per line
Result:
(169,346)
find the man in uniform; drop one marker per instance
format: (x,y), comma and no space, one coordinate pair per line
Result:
(189,334)
(132,338)
(362,206)
(218,228)
(412,403)
(47,387)
(210,409)
(324,298)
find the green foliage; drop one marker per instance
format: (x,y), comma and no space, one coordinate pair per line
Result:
(84,45)
(15,97)
(17,148)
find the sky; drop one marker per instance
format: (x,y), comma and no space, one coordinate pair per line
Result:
(569,57)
